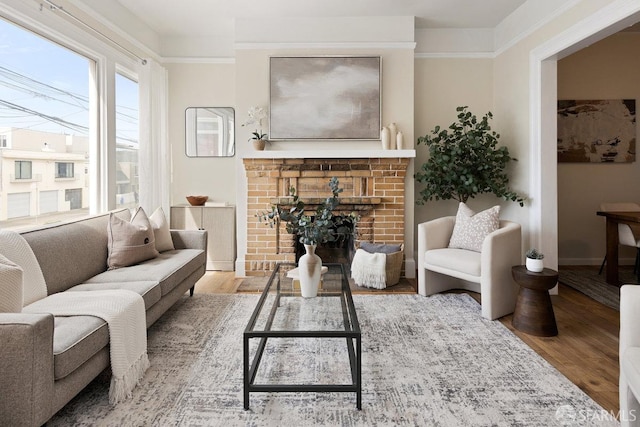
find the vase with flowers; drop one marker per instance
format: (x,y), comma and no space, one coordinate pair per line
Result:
(256,116)
(321,227)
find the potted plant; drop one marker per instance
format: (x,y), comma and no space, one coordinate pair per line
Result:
(534,260)
(311,230)
(464,161)
(256,116)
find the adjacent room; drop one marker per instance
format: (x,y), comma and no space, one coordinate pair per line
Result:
(319,213)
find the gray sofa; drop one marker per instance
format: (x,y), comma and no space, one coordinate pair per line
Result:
(45,360)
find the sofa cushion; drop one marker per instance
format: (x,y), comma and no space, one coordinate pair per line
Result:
(130,242)
(10,286)
(71,253)
(75,340)
(461,260)
(169,269)
(161,230)
(149,290)
(471,228)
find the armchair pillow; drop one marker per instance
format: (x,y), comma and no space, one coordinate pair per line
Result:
(471,228)
(130,242)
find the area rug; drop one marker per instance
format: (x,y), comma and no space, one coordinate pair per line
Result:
(594,285)
(426,362)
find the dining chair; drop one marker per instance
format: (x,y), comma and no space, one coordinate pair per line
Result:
(626,236)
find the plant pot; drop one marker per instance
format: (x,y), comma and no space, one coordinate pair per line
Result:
(310,267)
(534,265)
(259,144)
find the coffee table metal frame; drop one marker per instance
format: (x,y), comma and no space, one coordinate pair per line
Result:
(351,333)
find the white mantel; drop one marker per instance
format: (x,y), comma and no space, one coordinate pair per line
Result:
(326,154)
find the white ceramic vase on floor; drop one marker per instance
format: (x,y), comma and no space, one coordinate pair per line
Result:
(310,267)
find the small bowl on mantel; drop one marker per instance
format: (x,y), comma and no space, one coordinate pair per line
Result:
(197,200)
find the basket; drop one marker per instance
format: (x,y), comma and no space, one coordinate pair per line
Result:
(394,267)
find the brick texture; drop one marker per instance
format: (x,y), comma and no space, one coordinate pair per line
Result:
(374,188)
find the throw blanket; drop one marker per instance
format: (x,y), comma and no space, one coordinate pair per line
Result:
(369,270)
(123,310)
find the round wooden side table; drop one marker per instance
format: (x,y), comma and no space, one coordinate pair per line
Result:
(534,312)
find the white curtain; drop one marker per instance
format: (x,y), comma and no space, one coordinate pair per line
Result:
(154,155)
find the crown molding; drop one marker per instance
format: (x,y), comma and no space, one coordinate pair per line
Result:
(196,60)
(326,45)
(455,55)
(527,30)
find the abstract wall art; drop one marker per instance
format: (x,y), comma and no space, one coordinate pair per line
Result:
(597,131)
(325,97)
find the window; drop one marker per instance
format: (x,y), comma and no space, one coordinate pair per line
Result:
(44,110)
(23,169)
(127,185)
(64,170)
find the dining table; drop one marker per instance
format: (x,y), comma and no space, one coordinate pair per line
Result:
(613,219)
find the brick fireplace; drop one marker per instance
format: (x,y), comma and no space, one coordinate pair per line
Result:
(373,188)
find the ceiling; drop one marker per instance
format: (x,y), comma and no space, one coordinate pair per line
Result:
(198,18)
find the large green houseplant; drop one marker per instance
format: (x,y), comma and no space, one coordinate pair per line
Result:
(464,161)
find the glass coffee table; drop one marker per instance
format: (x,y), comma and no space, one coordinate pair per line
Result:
(282,318)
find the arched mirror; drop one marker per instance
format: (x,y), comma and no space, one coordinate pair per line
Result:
(210,132)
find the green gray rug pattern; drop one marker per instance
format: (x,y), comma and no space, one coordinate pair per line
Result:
(426,362)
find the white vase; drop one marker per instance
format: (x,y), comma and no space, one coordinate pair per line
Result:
(310,267)
(385,138)
(534,265)
(393,132)
(400,141)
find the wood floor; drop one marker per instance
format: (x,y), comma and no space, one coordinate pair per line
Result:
(585,350)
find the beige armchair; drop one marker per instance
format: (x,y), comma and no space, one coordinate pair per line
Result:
(629,355)
(487,272)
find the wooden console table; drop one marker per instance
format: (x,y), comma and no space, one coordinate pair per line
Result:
(613,219)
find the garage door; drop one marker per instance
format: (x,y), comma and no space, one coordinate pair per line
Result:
(48,201)
(18,205)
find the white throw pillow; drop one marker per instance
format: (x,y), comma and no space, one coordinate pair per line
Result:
(160,226)
(471,228)
(11,287)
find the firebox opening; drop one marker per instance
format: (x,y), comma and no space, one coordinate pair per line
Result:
(340,251)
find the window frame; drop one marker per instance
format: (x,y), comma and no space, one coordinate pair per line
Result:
(104,61)
(19,171)
(66,176)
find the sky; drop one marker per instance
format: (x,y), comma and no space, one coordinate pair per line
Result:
(45,87)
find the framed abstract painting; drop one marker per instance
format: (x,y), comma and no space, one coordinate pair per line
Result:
(597,131)
(324,98)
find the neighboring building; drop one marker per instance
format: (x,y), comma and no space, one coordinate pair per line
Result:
(44,172)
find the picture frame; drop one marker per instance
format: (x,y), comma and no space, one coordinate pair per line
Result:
(325,98)
(597,131)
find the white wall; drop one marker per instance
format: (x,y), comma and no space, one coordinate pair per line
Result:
(200,85)
(252,89)
(441,85)
(604,70)
(523,104)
